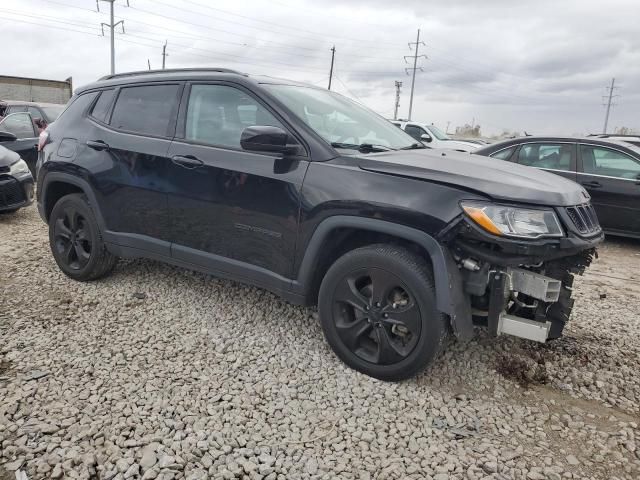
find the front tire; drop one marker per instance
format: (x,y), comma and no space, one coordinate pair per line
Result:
(378,312)
(76,241)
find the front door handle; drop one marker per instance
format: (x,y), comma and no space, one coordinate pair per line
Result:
(98,145)
(592,184)
(187,161)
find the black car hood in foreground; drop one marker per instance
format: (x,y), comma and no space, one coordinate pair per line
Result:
(497,179)
(7,157)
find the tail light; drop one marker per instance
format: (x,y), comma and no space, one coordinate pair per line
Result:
(43,139)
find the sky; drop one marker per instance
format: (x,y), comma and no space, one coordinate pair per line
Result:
(538,66)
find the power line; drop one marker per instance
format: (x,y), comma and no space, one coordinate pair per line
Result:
(288,28)
(415,67)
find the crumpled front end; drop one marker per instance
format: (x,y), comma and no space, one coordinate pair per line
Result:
(523,287)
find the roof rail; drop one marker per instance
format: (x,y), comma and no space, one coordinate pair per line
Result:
(170,70)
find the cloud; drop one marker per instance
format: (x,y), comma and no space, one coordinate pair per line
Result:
(540,65)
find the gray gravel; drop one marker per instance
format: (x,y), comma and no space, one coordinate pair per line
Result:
(158,372)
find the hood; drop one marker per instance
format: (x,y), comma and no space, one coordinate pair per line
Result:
(498,179)
(7,157)
(459,145)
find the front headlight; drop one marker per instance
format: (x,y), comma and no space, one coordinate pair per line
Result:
(18,168)
(504,220)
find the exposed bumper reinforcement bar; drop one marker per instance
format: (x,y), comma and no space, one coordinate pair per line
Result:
(523,328)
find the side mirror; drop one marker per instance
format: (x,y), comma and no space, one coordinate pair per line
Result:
(7,137)
(426,138)
(263,138)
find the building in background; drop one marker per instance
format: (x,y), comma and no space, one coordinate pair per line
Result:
(35,89)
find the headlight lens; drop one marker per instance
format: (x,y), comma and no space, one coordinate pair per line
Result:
(510,221)
(19,167)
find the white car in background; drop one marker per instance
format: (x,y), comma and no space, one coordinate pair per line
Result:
(632,139)
(434,137)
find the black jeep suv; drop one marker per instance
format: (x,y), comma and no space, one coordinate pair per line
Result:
(303,192)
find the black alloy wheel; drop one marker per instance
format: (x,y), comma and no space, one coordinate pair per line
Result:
(376,316)
(378,312)
(76,241)
(71,238)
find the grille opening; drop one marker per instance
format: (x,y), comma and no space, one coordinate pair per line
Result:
(10,193)
(584,218)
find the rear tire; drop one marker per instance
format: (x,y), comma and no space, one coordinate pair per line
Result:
(377,308)
(76,241)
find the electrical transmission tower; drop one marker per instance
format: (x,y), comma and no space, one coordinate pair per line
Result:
(413,69)
(609,99)
(395,110)
(112,27)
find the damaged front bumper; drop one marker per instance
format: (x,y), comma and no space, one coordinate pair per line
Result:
(517,287)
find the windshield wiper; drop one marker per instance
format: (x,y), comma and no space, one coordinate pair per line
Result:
(363,147)
(414,146)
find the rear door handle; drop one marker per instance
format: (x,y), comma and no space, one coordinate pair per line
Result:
(592,184)
(97,145)
(187,161)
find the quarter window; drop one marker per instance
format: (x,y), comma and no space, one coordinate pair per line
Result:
(20,124)
(610,163)
(101,107)
(543,155)
(35,113)
(217,115)
(146,110)
(504,154)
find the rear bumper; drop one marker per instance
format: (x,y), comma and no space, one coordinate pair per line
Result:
(15,192)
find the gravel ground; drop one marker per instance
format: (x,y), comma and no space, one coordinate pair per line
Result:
(158,372)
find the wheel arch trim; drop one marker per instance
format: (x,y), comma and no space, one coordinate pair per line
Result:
(82,184)
(450,298)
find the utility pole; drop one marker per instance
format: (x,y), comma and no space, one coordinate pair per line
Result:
(611,96)
(395,110)
(415,57)
(112,27)
(149,63)
(164,54)
(333,54)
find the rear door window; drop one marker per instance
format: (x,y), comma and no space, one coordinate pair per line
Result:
(609,163)
(20,124)
(547,155)
(102,106)
(147,110)
(15,109)
(415,132)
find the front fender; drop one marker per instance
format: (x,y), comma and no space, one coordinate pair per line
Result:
(450,296)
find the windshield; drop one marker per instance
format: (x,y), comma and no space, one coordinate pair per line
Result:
(52,112)
(439,134)
(339,120)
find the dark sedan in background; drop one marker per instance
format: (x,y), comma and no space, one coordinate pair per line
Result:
(608,170)
(16,182)
(18,132)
